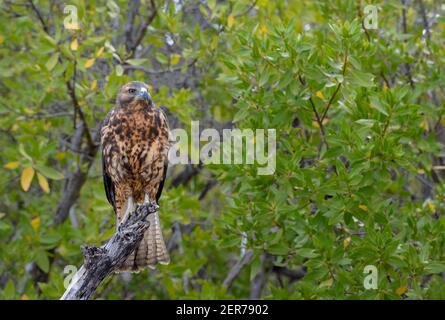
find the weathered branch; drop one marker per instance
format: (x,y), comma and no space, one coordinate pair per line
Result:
(101,262)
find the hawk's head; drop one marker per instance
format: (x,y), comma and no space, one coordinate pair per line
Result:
(133,91)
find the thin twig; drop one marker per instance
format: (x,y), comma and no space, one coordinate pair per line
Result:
(405,30)
(328,105)
(39,16)
(77,109)
(143,28)
(426,24)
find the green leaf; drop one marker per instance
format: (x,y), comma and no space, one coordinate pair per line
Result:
(161,58)
(4,226)
(265,75)
(23,152)
(136,62)
(435,267)
(52,61)
(366,122)
(50,173)
(50,239)
(255,267)
(42,260)
(378,105)
(279,249)
(361,79)
(241,114)
(307,253)
(9,291)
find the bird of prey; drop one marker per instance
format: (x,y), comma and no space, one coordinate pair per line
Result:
(135,143)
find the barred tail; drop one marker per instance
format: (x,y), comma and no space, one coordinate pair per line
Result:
(151,250)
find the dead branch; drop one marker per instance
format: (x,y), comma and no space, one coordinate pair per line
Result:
(101,262)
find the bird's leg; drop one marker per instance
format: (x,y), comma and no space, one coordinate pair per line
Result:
(130,208)
(146,199)
(152,206)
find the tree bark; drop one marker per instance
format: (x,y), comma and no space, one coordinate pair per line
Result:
(101,262)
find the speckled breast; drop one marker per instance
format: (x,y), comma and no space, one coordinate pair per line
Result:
(137,147)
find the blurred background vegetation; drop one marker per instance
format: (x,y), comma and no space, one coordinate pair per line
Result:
(360,132)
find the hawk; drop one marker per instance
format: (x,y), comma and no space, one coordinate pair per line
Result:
(135,143)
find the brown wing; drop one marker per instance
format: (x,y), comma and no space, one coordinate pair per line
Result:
(108,183)
(161,185)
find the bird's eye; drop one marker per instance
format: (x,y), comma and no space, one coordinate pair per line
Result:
(132,90)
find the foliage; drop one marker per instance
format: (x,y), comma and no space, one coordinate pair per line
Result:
(359,120)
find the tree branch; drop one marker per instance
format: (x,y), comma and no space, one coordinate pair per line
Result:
(186,175)
(39,16)
(77,109)
(133,9)
(426,24)
(101,262)
(235,271)
(329,103)
(143,29)
(314,109)
(405,30)
(78,177)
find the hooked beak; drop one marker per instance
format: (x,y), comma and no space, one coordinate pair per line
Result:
(144,95)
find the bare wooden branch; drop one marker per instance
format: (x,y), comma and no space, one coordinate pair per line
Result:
(101,262)
(235,271)
(78,177)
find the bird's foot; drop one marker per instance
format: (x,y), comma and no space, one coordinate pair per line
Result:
(152,207)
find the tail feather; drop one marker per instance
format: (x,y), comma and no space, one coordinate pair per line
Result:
(151,250)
